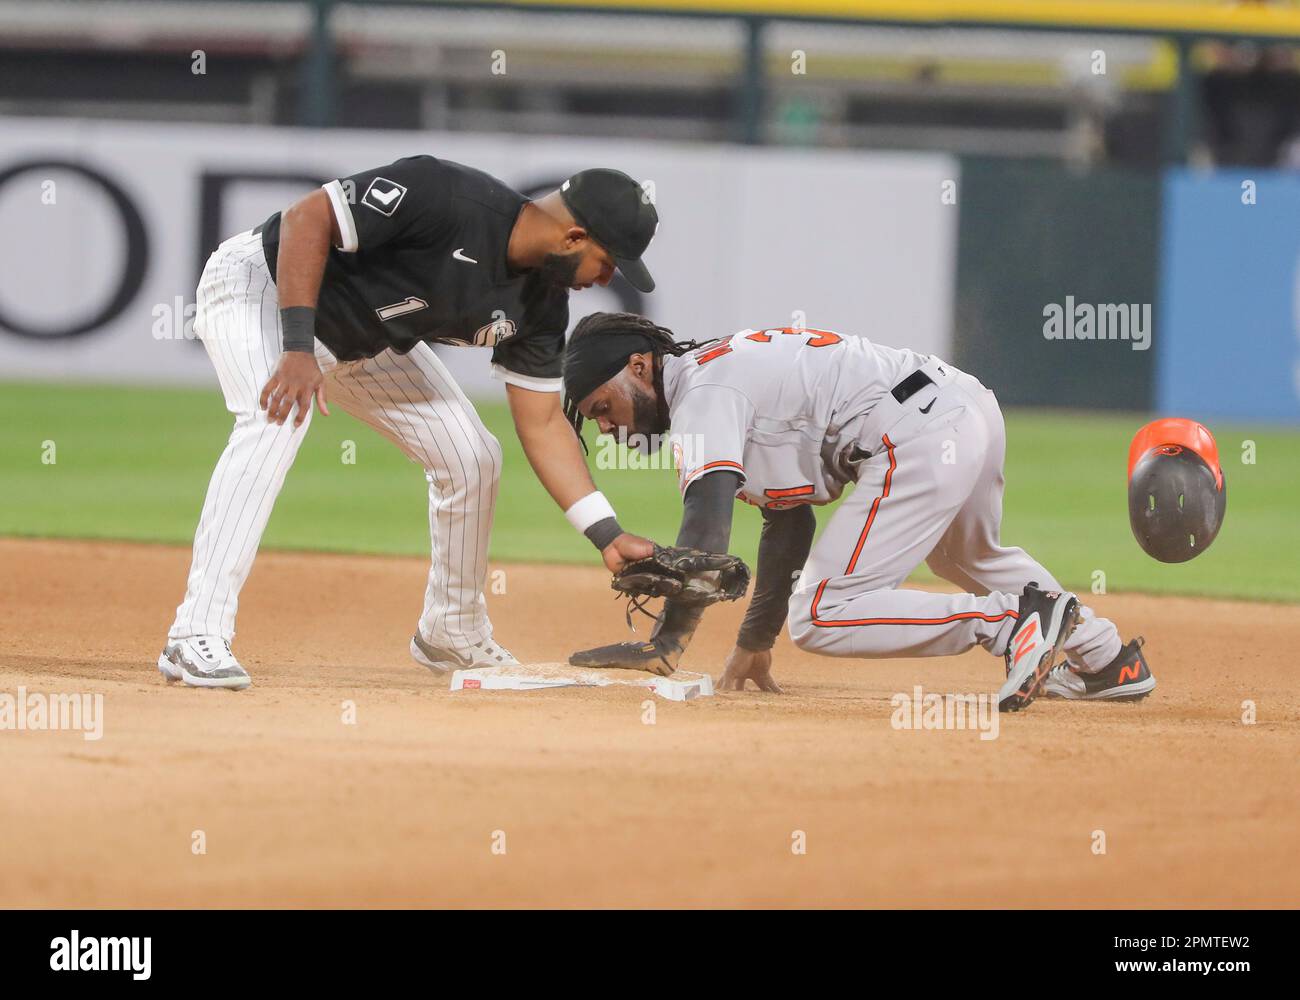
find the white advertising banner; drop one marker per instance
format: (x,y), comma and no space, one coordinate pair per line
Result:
(106,227)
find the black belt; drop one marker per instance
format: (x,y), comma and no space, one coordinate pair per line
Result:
(911,385)
(902,392)
(257,231)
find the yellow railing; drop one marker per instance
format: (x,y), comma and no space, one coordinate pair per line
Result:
(1162,16)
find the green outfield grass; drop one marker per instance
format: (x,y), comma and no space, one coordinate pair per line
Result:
(134,464)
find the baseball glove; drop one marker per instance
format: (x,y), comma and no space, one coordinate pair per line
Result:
(656,656)
(688,576)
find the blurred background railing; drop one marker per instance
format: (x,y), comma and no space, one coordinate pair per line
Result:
(1139,83)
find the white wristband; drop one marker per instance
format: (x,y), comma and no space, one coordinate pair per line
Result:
(587,511)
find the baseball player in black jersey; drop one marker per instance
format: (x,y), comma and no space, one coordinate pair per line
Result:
(337,299)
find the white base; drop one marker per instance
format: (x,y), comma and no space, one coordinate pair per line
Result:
(681,686)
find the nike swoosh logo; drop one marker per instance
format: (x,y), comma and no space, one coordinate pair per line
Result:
(459,254)
(385,198)
(928,406)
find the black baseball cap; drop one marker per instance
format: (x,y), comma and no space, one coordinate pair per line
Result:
(618,214)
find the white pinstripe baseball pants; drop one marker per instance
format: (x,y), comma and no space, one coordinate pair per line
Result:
(410,399)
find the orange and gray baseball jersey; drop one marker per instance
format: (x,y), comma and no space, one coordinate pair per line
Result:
(801,413)
(782,407)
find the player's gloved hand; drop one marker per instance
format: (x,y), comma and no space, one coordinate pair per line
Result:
(659,656)
(684,574)
(624,549)
(751,665)
(296,379)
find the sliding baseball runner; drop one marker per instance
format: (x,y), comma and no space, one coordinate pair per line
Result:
(784,419)
(337,299)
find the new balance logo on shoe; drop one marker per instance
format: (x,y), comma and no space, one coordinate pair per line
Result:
(1024,640)
(1130,672)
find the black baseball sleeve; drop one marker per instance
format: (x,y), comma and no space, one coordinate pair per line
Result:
(707,509)
(782,550)
(706,525)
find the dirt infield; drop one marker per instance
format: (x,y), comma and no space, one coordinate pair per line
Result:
(596,807)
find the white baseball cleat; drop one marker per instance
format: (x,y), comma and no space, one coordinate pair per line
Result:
(1045,621)
(203,661)
(442,660)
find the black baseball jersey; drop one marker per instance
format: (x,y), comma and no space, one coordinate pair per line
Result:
(424,259)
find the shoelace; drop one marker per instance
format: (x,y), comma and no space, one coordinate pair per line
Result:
(203,648)
(637,603)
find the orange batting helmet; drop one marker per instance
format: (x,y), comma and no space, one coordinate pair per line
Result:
(1176,492)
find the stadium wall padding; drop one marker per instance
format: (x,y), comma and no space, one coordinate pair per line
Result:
(1229,343)
(1031,235)
(858,242)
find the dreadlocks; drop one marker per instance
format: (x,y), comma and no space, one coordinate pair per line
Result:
(599,348)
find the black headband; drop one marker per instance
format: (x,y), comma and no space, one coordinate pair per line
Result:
(591,361)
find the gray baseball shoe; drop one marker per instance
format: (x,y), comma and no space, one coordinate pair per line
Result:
(1125,678)
(203,661)
(442,660)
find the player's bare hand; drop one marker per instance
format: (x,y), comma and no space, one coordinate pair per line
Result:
(625,549)
(747,665)
(296,380)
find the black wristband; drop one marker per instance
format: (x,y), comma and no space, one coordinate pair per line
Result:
(298,329)
(603,532)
